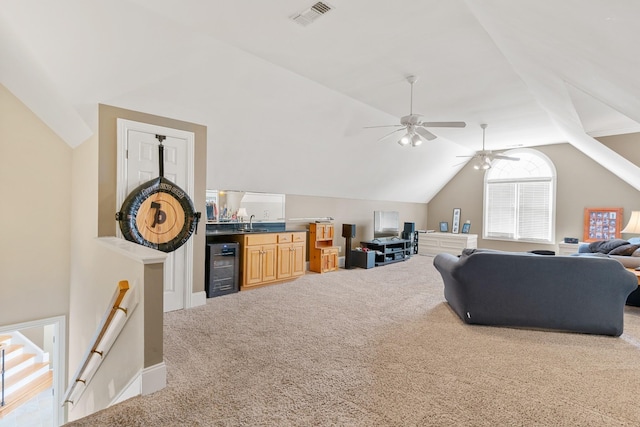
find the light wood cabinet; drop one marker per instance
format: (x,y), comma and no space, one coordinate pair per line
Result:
(260,253)
(323,256)
(329,259)
(272,257)
(291,255)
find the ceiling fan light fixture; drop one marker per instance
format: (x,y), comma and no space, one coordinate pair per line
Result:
(482,163)
(416,140)
(405,140)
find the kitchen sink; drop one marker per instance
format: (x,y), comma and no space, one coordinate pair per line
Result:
(253,230)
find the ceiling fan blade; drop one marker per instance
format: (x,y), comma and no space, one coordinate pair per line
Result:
(383,126)
(389,134)
(444,124)
(498,156)
(471,157)
(425,134)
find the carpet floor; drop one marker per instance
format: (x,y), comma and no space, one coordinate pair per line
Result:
(378,347)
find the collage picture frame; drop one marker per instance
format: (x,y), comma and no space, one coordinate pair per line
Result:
(602,224)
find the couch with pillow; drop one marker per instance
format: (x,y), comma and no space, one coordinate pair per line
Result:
(625,251)
(564,293)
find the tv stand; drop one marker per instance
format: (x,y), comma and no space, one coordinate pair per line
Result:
(388,249)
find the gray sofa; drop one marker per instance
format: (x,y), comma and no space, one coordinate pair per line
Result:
(625,251)
(564,293)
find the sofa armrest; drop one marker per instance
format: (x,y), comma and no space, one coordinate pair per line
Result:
(445,261)
(454,292)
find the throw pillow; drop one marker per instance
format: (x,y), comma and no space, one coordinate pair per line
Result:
(624,250)
(636,252)
(634,240)
(606,246)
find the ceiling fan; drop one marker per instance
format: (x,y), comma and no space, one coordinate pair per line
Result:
(483,158)
(414,127)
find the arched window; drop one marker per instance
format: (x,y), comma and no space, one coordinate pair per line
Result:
(520,198)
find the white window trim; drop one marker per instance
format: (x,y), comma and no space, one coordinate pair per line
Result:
(554,181)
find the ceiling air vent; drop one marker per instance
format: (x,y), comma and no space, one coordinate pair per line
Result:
(306,17)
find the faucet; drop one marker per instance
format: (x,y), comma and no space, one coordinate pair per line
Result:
(251,222)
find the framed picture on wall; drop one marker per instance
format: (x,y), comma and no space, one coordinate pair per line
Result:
(455,225)
(602,224)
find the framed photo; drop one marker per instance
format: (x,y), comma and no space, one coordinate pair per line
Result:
(455,224)
(466,227)
(444,227)
(602,224)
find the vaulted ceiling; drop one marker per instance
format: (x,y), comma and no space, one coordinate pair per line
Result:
(287,105)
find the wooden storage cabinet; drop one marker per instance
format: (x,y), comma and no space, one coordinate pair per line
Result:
(272,257)
(291,255)
(323,256)
(328,260)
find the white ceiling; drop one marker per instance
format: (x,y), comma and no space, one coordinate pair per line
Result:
(286,105)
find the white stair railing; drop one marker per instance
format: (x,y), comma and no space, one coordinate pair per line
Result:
(122,304)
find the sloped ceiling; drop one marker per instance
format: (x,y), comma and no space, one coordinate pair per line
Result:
(286,105)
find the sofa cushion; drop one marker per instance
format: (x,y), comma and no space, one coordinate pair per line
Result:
(606,246)
(636,252)
(625,250)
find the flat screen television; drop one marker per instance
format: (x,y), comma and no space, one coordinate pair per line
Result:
(386,224)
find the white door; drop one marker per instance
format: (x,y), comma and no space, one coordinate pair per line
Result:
(140,163)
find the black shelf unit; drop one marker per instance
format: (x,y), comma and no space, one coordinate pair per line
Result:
(389,250)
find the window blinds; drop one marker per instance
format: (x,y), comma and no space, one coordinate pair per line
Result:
(519,210)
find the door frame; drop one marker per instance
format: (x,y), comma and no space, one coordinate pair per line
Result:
(124,126)
(58,358)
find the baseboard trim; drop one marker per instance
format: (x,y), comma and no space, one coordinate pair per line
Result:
(198,298)
(154,378)
(131,390)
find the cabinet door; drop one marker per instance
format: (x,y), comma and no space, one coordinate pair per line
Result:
(328,232)
(285,266)
(329,259)
(333,260)
(298,259)
(253,265)
(269,260)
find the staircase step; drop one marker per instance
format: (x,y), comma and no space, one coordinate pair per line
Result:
(17,363)
(12,350)
(21,378)
(5,339)
(27,392)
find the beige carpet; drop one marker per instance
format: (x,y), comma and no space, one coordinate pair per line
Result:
(378,347)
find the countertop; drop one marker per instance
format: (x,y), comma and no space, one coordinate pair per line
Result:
(254,231)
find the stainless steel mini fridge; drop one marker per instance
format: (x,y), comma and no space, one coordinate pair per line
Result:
(222,269)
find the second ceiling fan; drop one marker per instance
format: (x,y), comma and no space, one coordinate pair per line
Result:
(414,127)
(484,158)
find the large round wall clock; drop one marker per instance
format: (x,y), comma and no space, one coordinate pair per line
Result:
(158,214)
